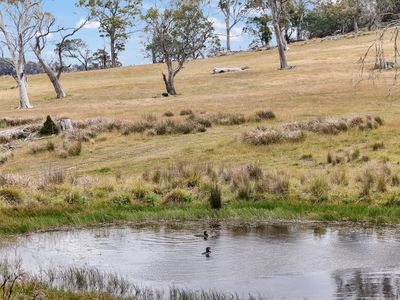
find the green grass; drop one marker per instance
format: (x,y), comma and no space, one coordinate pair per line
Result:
(28,219)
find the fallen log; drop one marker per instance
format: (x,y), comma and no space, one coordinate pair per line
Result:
(23,132)
(228,70)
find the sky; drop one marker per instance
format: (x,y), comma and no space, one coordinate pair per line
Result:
(69,15)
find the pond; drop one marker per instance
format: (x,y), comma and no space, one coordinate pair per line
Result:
(291,261)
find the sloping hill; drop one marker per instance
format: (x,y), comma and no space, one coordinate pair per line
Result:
(324,164)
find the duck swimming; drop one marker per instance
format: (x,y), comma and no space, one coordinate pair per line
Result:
(205,235)
(208,252)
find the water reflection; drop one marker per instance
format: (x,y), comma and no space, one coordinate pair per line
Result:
(360,284)
(281,261)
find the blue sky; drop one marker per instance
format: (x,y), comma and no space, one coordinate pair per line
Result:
(69,15)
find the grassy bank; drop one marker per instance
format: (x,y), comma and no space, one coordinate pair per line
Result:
(41,218)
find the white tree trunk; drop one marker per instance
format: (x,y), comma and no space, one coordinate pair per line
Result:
(21,79)
(51,74)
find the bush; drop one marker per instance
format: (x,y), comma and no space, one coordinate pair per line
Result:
(53,177)
(215,198)
(277,184)
(178,196)
(168,114)
(75,198)
(72,147)
(10,196)
(122,200)
(242,184)
(4,157)
(255,172)
(339,177)
(319,189)
(35,148)
(378,146)
(49,127)
(265,114)
(186,112)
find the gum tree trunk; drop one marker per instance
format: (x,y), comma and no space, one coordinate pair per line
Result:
(52,76)
(169,83)
(278,33)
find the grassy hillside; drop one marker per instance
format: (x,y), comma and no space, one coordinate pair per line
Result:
(324,83)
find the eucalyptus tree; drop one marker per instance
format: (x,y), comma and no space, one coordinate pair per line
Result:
(116,19)
(20,21)
(178,31)
(234,12)
(277,8)
(78,50)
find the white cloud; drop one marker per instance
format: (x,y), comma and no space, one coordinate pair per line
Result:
(220,29)
(89,25)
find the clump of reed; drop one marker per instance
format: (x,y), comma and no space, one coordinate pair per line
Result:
(341,156)
(294,132)
(269,136)
(319,189)
(53,177)
(5,156)
(265,115)
(375,177)
(43,147)
(70,147)
(10,196)
(9,122)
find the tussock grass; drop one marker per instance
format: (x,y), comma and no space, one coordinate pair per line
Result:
(294,132)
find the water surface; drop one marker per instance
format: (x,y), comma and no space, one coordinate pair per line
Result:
(288,261)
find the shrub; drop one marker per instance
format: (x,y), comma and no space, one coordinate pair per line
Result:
(49,127)
(278,184)
(319,189)
(53,177)
(329,158)
(186,112)
(121,200)
(378,120)
(75,198)
(306,157)
(367,180)
(355,154)
(10,196)
(378,146)
(395,180)
(242,184)
(265,114)
(381,186)
(35,148)
(365,158)
(72,147)
(339,177)
(263,136)
(215,198)
(168,114)
(228,119)
(5,156)
(140,192)
(255,172)
(178,196)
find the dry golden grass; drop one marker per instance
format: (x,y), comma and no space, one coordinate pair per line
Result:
(323,84)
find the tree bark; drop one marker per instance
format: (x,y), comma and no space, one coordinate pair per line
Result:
(113,55)
(22,82)
(52,75)
(24,102)
(278,34)
(355,25)
(228,38)
(169,83)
